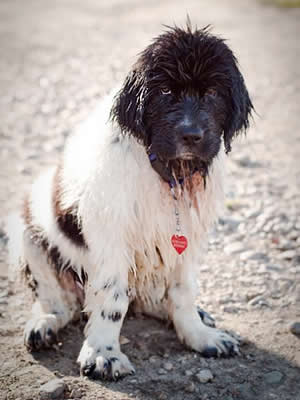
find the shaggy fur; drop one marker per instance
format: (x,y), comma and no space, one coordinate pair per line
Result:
(97,228)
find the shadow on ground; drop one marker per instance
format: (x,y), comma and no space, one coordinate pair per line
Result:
(165,369)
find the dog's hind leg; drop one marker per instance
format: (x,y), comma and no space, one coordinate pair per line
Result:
(55,302)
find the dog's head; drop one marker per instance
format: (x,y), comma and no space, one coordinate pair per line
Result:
(183,96)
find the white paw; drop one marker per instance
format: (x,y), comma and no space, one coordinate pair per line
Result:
(216,343)
(40,332)
(210,342)
(103,362)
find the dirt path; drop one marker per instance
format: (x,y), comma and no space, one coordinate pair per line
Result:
(57,59)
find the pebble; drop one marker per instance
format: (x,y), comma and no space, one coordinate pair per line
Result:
(285,245)
(3,236)
(253,255)
(295,328)
(234,248)
(53,389)
(274,267)
(124,340)
(230,223)
(162,396)
(258,301)
(273,377)
(252,213)
(190,387)
(161,371)
(231,309)
(168,366)
(287,255)
(204,376)
(76,393)
(245,161)
(246,391)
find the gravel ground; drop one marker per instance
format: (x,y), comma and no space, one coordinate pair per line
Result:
(57,59)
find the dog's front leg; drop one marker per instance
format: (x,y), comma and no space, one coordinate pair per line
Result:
(107,303)
(191,329)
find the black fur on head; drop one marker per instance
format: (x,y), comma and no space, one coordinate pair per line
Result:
(184,94)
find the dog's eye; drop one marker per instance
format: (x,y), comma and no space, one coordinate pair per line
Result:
(211,92)
(165,91)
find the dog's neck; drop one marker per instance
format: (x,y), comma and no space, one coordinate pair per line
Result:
(177,171)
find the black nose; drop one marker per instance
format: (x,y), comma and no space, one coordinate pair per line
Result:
(192,135)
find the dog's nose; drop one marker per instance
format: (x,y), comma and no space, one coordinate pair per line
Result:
(192,135)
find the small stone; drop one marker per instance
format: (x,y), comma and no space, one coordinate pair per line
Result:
(287,255)
(182,359)
(297,360)
(295,328)
(76,393)
(274,267)
(124,340)
(204,363)
(162,396)
(53,389)
(253,255)
(231,223)
(259,301)
(3,236)
(252,213)
(152,359)
(231,309)
(188,372)
(190,387)
(285,245)
(246,391)
(278,321)
(168,366)
(204,376)
(161,371)
(273,377)
(245,161)
(145,335)
(235,248)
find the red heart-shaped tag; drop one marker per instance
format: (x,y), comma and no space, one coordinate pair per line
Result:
(179,243)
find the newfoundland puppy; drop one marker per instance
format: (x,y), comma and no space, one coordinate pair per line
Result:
(124,216)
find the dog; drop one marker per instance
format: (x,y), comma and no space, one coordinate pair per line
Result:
(124,216)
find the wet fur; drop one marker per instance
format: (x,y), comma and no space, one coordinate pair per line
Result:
(97,227)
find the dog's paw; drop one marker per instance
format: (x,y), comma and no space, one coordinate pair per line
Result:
(208,341)
(40,332)
(206,318)
(103,362)
(219,344)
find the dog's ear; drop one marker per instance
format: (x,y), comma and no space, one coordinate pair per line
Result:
(241,107)
(129,104)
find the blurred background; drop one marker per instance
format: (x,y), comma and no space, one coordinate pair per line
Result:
(59,57)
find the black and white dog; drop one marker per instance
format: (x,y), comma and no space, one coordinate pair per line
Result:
(140,181)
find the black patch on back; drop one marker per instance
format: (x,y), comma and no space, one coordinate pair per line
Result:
(54,258)
(66,218)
